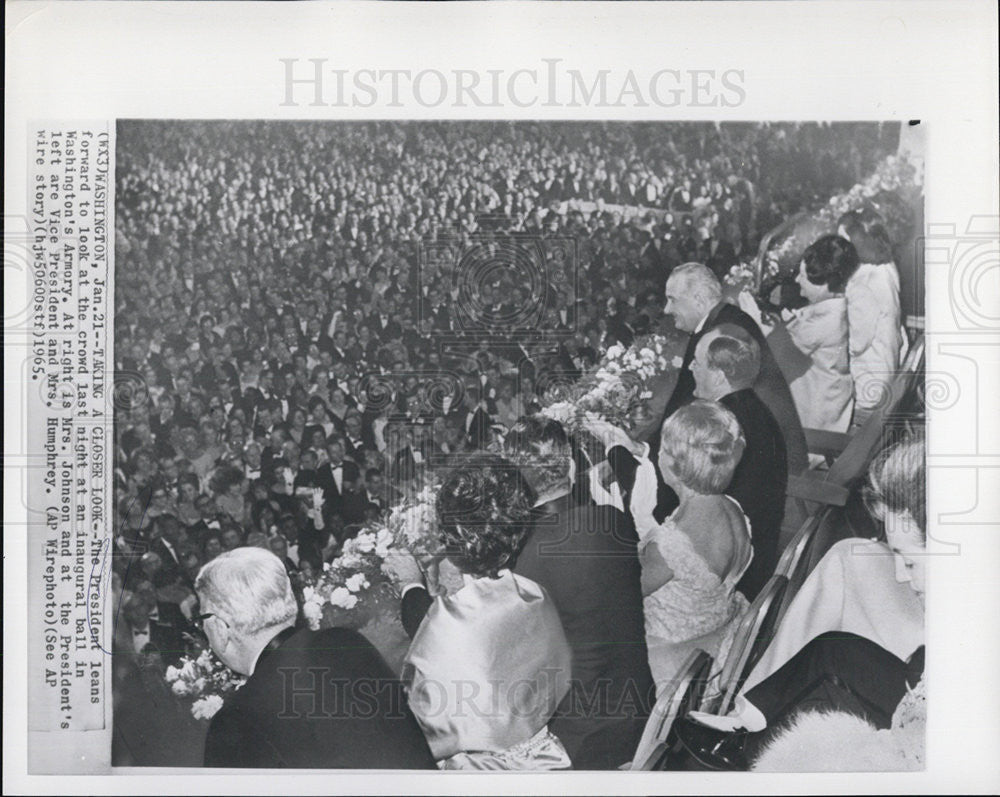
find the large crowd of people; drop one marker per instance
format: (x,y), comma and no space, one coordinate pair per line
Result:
(309,317)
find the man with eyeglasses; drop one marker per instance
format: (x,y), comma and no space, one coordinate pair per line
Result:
(318,699)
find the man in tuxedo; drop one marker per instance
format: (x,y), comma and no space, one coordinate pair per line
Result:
(585,556)
(725,366)
(144,631)
(332,474)
(168,536)
(317,699)
(383,324)
(357,436)
(694,300)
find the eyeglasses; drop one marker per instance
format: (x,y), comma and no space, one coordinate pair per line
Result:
(199,620)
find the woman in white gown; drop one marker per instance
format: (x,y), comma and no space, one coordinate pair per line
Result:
(873,310)
(824,394)
(693,560)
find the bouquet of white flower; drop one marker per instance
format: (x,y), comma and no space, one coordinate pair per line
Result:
(354,584)
(205,681)
(346,581)
(612,391)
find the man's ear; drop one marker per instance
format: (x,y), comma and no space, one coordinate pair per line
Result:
(223,632)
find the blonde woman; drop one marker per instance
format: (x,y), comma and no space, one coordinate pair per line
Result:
(692,562)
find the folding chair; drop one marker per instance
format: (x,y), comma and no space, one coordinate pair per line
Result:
(753,636)
(796,547)
(676,702)
(851,454)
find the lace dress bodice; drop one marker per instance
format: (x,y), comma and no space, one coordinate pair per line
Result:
(695,601)
(695,609)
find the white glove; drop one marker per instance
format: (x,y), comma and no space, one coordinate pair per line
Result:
(749,306)
(612,436)
(402,567)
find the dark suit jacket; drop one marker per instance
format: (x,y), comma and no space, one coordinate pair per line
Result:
(172,571)
(164,637)
(323,699)
(586,559)
(759,484)
(770,386)
(391,330)
(326,481)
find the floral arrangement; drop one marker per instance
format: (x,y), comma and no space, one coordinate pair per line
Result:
(413,523)
(895,176)
(894,173)
(205,681)
(353,584)
(743,276)
(613,389)
(347,580)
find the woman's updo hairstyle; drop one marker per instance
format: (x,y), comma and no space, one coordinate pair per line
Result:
(705,444)
(484,515)
(830,261)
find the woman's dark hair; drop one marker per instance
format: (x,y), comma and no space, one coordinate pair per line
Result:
(189,478)
(224,478)
(258,510)
(484,511)
(866,229)
(315,402)
(210,535)
(830,261)
(540,445)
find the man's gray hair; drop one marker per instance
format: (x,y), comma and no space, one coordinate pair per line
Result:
(250,587)
(699,281)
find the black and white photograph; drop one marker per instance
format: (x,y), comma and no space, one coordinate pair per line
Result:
(519,445)
(521,397)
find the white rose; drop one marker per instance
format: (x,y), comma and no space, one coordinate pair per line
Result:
(179,687)
(341,597)
(382,549)
(206,707)
(365,543)
(172,674)
(350,561)
(313,614)
(356,582)
(615,351)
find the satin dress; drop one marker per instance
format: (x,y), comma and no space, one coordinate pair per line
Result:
(485,672)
